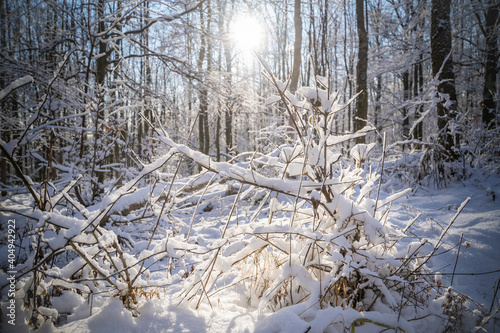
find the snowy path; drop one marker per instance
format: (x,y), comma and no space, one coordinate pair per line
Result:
(479,222)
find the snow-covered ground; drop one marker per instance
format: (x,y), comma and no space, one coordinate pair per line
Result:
(476,273)
(479,223)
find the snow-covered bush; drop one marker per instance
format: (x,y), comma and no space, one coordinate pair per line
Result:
(72,253)
(326,252)
(318,249)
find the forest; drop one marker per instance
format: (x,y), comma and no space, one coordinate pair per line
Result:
(241,165)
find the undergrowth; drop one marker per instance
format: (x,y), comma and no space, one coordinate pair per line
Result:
(318,241)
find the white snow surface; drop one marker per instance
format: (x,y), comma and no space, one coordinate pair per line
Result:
(15,85)
(479,222)
(230,311)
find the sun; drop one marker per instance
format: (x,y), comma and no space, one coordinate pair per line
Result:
(247,33)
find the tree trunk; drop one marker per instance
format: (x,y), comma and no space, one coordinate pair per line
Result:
(418,79)
(102,61)
(297,46)
(228,116)
(202,110)
(361,71)
(406,98)
(101,68)
(442,69)
(206,131)
(217,136)
(490,71)
(297,58)
(147,68)
(313,49)
(324,37)
(348,81)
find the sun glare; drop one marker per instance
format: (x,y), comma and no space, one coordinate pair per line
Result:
(247,33)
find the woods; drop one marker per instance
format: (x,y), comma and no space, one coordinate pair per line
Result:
(121,60)
(123,120)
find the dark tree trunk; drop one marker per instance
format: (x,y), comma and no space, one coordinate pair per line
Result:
(102,61)
(491,68)
(442,69)
(148,113)
(324,37)
(361,71)
(418,83)
(101,68)
(406,97)
(203,91)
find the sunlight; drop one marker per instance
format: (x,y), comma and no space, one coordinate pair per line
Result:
(247,33)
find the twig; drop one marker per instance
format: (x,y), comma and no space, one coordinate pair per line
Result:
(438,244)
(21,175)
(497,286)
(198,204)
(381,175)
(456,260)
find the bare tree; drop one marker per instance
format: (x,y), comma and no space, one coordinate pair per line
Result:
(442,69)
(297,46)
(204,55)
(490,31)
(361,71)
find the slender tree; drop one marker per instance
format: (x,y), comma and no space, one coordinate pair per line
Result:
(228,108)
(297,46)
(490,32)
(442,69)
(205,55)
(361,113)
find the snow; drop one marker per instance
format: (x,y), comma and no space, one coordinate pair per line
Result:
(392,198)
(360,151)
(15,85)
(9,147)
(272,99)
(67,302)
(431,211)
(333,140)
(211,268)
(479,222)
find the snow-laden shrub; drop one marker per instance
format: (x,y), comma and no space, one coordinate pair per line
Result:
(326,251)
(72,253)
(318,249)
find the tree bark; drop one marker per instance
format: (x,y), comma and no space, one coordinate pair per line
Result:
(147,68)
(324,37)
(491,69)
(102,61)
(297,46)
(101,68)
(442,69)
(202,96)
(209,69)
(418,79)
(297,58)
(406,98)
(361,113)
(228,110)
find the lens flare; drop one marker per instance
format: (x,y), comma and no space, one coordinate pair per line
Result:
(247,32)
